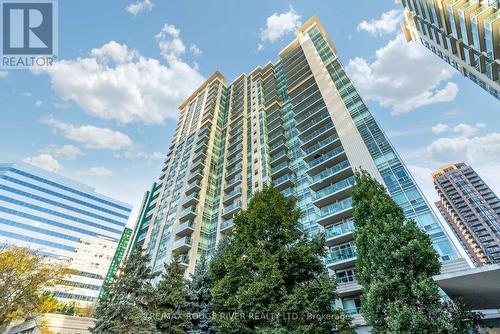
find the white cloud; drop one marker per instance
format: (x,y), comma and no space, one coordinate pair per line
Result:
(129,154)
(115,82)
(479,149)
(89,135)
(96,171)
(4,74)
(278,25)
(465,130)
(28,94)
(61,105)
(38,103)
(140,6)
(45,161)
(169,41)
(195,49)
(68,152)
(386,24)
(403,77)
(440,128)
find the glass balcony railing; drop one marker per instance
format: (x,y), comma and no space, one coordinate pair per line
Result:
(316,133)
(235,169)
(330,171)
(333,188)
(274,136)
(193,196)
(184,226)
(227,224)
(183,241)
(339,229)
(233,160)
(315,122)
(336,207)
(278,156)
(288,192)
(282,179)
(321,144)
(184,259)
(326,156)
(189,210)
(278,144)
(341,253)
(235,150)
(232,207)
(279,167)
(233,181)
(235,192)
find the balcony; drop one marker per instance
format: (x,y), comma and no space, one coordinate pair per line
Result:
(326,160)
(341,257)
(275,127)
(184,260)
(193,186)
(199,164)
(348,288)
(339,233)
(310,126)
(289,192)
(331,175)
(233,171)
(334,192)
(227,226)
(317,135)
(199,156)
(282,168)
(182,245)
(278,158)
(188,213)
(196,175)
(321,147)
(233,183)
(281,145)
(184,229)
(272,139)
(231,195)
(283,182)
(229,211)
(231,162)
(190,199)
(309,108)
(335,212)
(235,150)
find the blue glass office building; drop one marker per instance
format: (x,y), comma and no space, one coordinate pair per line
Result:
(63,219)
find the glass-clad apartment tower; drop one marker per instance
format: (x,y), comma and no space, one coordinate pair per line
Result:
(466,34)
(298,124)
(472,209)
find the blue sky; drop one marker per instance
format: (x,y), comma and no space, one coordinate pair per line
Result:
(106,113)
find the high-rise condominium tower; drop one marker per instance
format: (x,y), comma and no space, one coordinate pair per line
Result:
(466,34)
(298,124)
(63,219)
(471,209)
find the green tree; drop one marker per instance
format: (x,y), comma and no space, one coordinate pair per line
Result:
(127,305)
(170,299)
(395,265)
(200,301)
(270,278)
(24,276)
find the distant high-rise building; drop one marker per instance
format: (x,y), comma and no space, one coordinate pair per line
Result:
(466,34)
(471,209)
(118,256)
(298,124)
(64,219)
